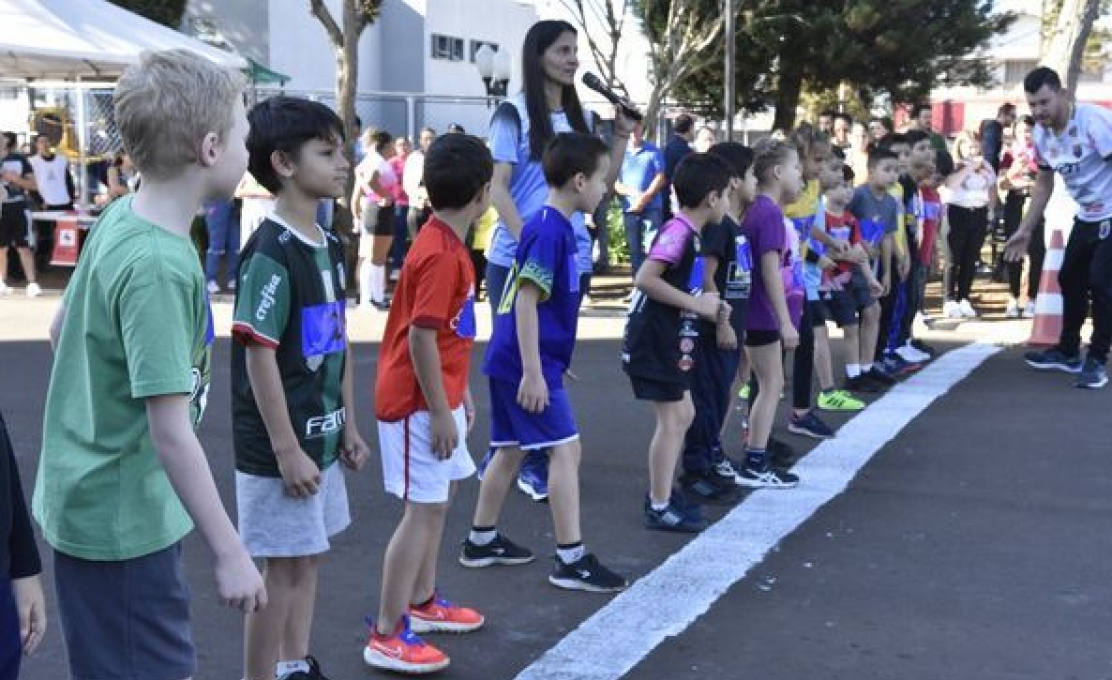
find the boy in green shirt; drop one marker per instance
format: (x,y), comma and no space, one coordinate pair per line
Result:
(122,477)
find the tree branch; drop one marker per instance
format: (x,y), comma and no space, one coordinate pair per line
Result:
(321,12)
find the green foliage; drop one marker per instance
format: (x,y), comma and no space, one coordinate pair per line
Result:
(899,47)
(615,226)
(165,12)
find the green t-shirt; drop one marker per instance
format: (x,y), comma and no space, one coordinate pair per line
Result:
(137,325)
(290,298)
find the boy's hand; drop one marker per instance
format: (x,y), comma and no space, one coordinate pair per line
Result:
(885,285)
(469,409)
(839,246)
(532,393)
(238,581)
(31,606)
(876,288)
(826,263)
(859,255)
(904,266)
(299,472)
(707,306)
(726,336)
(353,450)
(445,434)
(789,337)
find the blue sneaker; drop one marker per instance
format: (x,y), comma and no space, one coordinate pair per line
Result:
(1053,359)
(674,518)
(533,477)
(809,425)
(1092,375)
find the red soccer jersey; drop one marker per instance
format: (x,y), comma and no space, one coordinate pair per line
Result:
(435,291)
(843,227)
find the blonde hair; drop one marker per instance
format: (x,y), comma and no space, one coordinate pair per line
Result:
(767,154)
(167,103)
(962,142)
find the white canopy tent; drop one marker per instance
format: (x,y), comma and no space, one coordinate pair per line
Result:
(84,39)
(82,42)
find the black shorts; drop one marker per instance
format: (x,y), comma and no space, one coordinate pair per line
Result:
(819,311)
(14,226)
(647,389)
(378,221)
(759,338)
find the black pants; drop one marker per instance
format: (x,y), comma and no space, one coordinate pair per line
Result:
(1087,273)
(968,227)
(888,313)
(1036,251)
(710,391)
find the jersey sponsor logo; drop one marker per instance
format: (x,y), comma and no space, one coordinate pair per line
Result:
(464,321)
(322,426)
(266,297)
(198,393)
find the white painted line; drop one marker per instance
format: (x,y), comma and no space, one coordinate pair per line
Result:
(667,600)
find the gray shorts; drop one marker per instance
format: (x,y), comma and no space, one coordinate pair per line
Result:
(274,524)
(126,619)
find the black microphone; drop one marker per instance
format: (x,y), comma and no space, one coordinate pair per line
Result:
(592,81)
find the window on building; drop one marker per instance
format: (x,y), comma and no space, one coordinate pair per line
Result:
(1015,70)
(447,47)
(476,44)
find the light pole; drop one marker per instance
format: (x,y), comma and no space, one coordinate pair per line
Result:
(729,90)
(495,68)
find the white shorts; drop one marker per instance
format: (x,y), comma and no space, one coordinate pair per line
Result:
(273,523)
(410,469)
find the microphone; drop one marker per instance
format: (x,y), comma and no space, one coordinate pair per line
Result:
(592,81)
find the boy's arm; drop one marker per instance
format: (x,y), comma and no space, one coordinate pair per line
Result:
(300,474)
(650,283)
(353,450)
(502,201)
(56,325)
(426,365)
(886,262)
(532,393)
(180,453)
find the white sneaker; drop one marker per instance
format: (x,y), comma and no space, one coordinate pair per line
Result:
(33,290)
(1029,310)
(5,289)
(1012,311)
(911,355)
(951,310)
(213,287)
(967,310)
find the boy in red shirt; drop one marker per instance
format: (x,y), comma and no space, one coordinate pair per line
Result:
(424,408)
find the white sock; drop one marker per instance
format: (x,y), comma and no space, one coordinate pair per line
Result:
(365,282)
(482,537)
(865,368)
(284,668)
(853,370)
(658,506)
(378,283)
(571,555)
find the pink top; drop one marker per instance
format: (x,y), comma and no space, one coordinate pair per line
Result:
(371,164)
(397,164)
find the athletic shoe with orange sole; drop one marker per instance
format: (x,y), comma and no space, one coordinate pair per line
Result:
(402,651)
(438,615)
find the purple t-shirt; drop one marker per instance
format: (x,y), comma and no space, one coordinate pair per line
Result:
(763,225)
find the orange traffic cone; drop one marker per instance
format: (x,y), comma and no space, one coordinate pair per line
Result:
(1048,305)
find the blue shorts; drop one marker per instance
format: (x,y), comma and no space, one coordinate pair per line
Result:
(511,425)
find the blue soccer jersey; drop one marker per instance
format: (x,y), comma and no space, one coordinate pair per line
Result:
(545,258)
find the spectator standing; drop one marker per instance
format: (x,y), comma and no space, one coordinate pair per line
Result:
(972,196)
(992,135)
(639,188)
(17,180)
(678,146)
(413,180)
(400,245)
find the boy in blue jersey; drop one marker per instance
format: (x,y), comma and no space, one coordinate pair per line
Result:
(529,352)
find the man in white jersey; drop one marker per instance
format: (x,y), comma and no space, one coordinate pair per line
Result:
(1075,141)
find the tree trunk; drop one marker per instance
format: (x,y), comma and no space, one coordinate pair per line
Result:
(1067,41)
(652,113)
(347,69)
(787,99)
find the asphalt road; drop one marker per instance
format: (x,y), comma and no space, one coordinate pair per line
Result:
(975,544)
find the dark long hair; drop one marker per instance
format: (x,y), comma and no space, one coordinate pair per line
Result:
(540,37)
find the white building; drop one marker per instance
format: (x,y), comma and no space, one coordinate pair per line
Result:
(1013,55)
(420,48)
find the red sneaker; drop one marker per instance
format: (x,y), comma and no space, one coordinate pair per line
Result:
(439,615)
(403,652)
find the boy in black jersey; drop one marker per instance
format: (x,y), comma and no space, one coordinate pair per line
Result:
(660,335)
(707,475)
(291,380)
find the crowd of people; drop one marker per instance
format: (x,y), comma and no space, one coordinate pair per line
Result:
(745,254)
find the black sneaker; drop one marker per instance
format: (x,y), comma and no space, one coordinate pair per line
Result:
(1092,375)
(880,376)
(499,551)
(862,383)
(1053,359)
(809,425)
(587,574)
(768,477)
(710,487)
(314,672)
(675,518)
(923,347)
